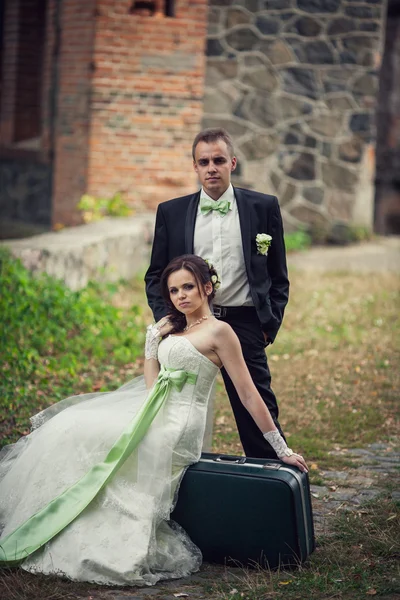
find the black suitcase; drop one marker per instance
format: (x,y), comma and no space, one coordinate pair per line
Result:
(247,511)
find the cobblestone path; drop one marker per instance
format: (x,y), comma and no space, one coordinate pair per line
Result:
(371,468)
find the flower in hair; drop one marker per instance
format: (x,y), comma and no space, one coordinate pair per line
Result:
(215,280)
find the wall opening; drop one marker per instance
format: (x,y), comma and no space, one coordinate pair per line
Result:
(29,67)
(151,8)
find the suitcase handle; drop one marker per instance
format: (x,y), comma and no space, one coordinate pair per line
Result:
(240,460)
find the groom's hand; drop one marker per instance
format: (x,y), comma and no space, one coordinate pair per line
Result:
(266,338)
(164,326)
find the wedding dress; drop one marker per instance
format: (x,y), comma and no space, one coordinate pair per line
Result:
(88,494)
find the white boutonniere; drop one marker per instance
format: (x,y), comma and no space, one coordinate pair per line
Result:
(263,242)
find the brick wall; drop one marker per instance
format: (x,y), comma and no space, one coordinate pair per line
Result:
(146,100)
(72,72)
(121,101)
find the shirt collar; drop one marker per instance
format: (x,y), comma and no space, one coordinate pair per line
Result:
(227,195)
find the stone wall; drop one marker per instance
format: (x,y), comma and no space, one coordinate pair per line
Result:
(295,83)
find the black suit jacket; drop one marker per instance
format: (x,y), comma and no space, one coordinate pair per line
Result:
(267,275)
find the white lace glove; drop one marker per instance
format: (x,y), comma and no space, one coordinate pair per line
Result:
(153,338)
(278,443)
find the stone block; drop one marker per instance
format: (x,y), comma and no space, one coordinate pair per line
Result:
(242,39)
(362,124)
(356,47)
(253,59)
(277,4)
(259,146)
(338,177)
(319,6)
(214,47)
(341,25)
(316,52)
(250,5)
(300,81)
(234,127)
(268,25)
(263,78)
(363,12)
(328,125)
(275,180)
(371,26)
(366,85)
(288,194)
(310,142)
(214,21)
(293,107)
(292,139)
(339,204)
(303,167)
(326,149)
(237,16)
(340,102)
(107,250)
(259,109)
(314,194)
(216,102)
(308,214)
(305,26)
(278,53)
(218,69)
(351,151)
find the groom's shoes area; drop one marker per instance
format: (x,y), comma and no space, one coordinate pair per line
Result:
(247,511)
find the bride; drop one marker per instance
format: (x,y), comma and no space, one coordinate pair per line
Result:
(89,492)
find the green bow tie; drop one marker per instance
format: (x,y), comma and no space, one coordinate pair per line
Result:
(206,206)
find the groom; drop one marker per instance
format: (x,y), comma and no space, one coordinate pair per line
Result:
(221,223)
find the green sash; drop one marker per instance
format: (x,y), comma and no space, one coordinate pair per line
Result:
(60,512)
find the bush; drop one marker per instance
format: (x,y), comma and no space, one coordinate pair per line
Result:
(298,240)
(54,340)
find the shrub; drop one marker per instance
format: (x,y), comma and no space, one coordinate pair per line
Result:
(50,336)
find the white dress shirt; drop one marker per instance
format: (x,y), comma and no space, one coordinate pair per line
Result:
(218,238)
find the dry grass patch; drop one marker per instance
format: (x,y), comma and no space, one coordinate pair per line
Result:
(335,365)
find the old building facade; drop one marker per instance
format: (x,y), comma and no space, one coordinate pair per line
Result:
(106,95)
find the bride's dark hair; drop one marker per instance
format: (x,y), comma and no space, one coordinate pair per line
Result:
(202,273)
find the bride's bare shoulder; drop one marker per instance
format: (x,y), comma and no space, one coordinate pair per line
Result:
(222,330)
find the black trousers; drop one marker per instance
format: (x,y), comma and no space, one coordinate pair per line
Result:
(245,323)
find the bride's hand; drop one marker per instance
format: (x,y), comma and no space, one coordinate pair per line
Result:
(296,460)
(164,326)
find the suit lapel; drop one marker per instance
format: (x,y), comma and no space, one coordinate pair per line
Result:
(190,222)
(244,218)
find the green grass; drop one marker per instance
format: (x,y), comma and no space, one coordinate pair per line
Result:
(359,560)
(335,372)
(335,366)
(55,342)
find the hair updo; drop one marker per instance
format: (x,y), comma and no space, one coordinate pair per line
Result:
(203,273)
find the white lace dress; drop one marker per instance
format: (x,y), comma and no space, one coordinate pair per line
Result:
(124,536)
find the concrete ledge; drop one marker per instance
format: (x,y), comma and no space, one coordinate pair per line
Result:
(107,250)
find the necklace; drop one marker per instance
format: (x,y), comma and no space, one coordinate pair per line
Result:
(196,322)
